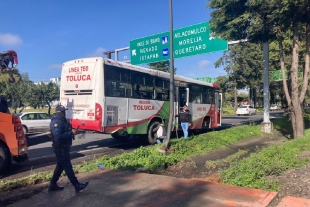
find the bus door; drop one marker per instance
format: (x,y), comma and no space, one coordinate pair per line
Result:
(218,105)
(182,98)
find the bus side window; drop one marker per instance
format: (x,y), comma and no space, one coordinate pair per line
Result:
(211,94)
(108,88)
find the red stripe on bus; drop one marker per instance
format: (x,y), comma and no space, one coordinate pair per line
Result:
(86,124)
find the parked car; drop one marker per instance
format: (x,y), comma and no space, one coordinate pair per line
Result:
(246,110)
(274,107)
(34,121)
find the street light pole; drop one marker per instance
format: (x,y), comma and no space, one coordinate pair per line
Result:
(266,125)
(171,115)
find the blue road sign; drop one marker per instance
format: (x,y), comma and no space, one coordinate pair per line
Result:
(165,52)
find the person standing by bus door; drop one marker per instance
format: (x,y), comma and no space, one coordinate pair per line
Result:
(62,136)
(185,119)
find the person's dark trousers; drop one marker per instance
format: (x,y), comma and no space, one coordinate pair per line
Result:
(63,164)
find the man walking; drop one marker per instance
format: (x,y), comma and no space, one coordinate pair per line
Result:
(185,119)
(62,135)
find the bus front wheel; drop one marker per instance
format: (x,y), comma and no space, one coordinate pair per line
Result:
(151,132)
(4,158)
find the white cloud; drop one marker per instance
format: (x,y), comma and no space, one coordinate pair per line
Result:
(98,52)
(203,64)
(55,66)
(10,39)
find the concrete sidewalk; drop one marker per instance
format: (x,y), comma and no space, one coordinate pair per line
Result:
(130,189)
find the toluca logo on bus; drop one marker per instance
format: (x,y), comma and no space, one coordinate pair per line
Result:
(78,69)
(143,107)
(78,77)
(78,74)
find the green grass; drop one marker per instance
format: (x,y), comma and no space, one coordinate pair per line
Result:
(228,159)
(248,172)
(252,171)
(148,157)
(33,110)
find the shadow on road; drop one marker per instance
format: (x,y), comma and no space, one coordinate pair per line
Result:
(92,149)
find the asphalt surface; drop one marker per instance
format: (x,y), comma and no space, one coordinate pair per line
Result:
(86,148)
(41,146)
(130,189)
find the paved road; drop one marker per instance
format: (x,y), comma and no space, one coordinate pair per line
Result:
(234,119)
(41,146)
(41,156)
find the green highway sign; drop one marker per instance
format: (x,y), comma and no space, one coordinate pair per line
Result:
(276,75)
(207,79)
(188,41)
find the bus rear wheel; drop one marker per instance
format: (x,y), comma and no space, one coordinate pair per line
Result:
(151,133)
(4,158)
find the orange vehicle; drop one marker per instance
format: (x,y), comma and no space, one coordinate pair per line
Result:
(13,143)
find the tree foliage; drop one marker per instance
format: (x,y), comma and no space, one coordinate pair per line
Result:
(161,66)
(45,93)
(243,63)
(274,20)
(24,92)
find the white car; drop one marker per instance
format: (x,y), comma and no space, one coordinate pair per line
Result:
(274,107)
(246,110)
(35,121)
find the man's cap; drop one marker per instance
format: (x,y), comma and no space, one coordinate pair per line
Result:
(61,108)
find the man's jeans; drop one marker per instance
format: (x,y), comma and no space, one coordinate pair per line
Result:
(184,126)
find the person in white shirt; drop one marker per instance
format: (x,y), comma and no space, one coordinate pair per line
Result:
(161,133)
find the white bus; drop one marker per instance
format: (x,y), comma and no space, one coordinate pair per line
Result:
(121,99)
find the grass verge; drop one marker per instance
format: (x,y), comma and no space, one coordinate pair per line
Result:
(253,171)
(229,159)
(148,157)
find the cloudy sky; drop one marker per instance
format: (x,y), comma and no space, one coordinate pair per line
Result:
(47,33)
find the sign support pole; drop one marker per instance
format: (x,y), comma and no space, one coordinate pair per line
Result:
(171,52)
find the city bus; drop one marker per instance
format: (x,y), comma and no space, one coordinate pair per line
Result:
(117,98)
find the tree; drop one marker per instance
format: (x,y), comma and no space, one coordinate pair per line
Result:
(225,86)
(47,93)
(262,21)
(43,94)
(5,83)
(243,63)
(17,92)
(34,96)
(161,66)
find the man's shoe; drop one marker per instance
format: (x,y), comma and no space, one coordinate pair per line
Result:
(54,187)
(80,186)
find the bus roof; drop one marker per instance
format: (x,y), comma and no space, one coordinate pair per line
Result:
(142,69)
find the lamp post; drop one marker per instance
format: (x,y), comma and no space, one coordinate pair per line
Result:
(266,125)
